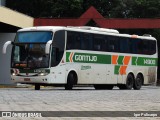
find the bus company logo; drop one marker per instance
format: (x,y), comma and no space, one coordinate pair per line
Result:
(121,64)
(85,58)
(73,57)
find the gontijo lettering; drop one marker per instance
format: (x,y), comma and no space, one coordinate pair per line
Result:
(85,58)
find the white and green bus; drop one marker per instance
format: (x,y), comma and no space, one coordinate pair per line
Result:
(84,55)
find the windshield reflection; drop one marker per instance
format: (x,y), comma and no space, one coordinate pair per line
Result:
(29,56)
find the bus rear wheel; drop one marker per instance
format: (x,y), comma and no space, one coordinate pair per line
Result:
(37,87)
(138,82)
(129,83)
(71,80)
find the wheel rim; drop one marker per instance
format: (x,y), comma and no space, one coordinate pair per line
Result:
(138,81)
(130,82)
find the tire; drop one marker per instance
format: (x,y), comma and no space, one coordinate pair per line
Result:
(138,82)
(37,87)
(103,87)
(71,80)
(129,83)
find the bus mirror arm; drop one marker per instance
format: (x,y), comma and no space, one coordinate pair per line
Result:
(5,46)
(48,44)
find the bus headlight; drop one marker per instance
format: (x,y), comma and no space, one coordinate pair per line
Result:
(43,74)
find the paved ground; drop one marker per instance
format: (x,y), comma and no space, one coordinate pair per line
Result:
(80,99)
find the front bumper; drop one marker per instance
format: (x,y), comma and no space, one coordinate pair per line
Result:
(30,79)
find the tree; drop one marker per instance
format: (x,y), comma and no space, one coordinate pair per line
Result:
(146,9)
(47,8)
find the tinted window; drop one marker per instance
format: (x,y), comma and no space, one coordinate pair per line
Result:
(87,41)
(142,46)
(73,40)
(57,47)
(113,44)
(124,45)
(99,43)
(34,37)
(152,47)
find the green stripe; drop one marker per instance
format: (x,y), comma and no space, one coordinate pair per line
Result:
(116,69)
(67,56)
(144,61)
(120,60)
(134,60)
(89,58)
(106,59)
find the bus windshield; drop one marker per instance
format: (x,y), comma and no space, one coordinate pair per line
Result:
(29,56)
(34,36)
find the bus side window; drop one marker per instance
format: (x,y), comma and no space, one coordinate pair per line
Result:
(113,44)
(69,40)
(58,47)
(73,40)
(124,45)
(140,47)
(77,41)
(55,56)
(152,47)
(133,45)
(145,47)
(87,41)
(99,43)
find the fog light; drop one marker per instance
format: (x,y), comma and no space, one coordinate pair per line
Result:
(14,74)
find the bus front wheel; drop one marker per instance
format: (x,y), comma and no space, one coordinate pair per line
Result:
(71,80)
(37,87)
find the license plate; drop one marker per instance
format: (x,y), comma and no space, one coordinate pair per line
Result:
(27,79)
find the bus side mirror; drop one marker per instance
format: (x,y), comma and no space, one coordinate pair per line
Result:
(48,44)
(5,46)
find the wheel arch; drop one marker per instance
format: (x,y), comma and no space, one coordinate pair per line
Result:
(75,73)
(131,74)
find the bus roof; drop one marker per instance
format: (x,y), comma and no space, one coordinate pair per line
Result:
(87,29)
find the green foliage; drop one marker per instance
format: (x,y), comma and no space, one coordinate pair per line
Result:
(74,8)
(146,8)
(47,8)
